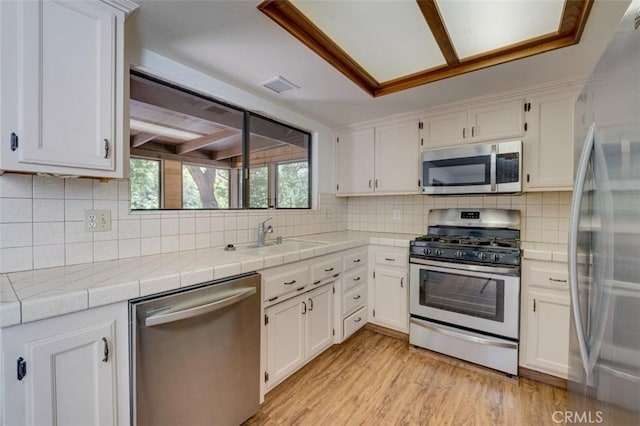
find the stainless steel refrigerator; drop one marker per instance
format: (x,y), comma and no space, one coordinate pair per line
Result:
(604,238)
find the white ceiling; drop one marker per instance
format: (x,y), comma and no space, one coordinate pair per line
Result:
(234,42)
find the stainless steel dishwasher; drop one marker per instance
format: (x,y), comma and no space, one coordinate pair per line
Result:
(195,354)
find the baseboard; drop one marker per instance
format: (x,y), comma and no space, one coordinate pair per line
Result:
(538,376)
(387,331)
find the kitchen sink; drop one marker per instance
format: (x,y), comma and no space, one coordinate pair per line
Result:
(290,244)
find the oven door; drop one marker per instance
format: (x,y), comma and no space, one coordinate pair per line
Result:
(484,301)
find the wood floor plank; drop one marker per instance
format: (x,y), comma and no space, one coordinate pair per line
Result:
(373,379)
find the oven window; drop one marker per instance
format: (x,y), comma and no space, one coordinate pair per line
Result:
(474,296)
(458,172)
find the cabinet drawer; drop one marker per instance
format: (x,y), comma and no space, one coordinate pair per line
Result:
(354,278)
(390,258)
(546,274)
(355,259)
(330,268)
(354,322)
(286,282)
(354,298)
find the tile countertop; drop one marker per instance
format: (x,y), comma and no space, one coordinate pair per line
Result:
(43,293)
(545,251)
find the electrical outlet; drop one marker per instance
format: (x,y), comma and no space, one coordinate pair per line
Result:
(396,214)
(328,214)
(97,220)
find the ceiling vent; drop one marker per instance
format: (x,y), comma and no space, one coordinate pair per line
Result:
(279,84)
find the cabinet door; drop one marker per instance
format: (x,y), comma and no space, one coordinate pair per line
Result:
(319,324)
(444,129)
(548,331)
(397,158)
(285,338)
(68,72)
(390,298)
(355,162)
(548,145)
(497,120)
(72,380)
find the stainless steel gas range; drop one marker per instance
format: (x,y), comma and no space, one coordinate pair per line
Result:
(465,286)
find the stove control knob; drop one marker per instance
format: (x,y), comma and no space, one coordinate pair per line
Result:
(482,256)
(438,252)
(495,257)
(427,251)
(459,254)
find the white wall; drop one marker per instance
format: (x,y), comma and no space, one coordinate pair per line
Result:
(323,137)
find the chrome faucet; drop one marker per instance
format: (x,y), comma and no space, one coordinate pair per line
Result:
(262,232)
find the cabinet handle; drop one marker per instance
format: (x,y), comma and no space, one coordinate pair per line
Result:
(310,304)
(106,350)
(106,148)
(555,280)
(328,270)
(357,261)
(464,132)
(290,282)
(358,320)
(402,282)
(534,305)
(14,141)
(356,297)
(473,131)
(356,279)
(305,308)
(376,183)
(388,259)
(317,282)
(300,289)
(369,183)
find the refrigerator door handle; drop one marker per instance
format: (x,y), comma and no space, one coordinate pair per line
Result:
(581,176)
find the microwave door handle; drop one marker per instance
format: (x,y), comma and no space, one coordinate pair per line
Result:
(493,171)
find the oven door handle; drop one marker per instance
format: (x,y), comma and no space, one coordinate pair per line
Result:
(470,338)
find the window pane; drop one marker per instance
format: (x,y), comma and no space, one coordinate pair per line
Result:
(282,155)
(259,187)
(204,187)
(293,185)
(145,184)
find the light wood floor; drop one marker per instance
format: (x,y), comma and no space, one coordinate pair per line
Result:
(374,379)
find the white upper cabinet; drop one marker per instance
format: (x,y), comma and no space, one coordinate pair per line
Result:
(493,120)
(548,145)
(63,74)
(381,160)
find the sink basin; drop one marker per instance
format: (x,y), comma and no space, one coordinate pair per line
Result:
(286,245)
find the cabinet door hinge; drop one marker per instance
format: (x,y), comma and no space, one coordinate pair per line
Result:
(333,331)
(534,305)
(21,368)
(374,312)
(266,377)
(528,177)
(420,125)
(334,290)
(266,319)
(14,141)
(337,140)
(419,182)
(525,126)
(421,141)
(337,187)
(374,274)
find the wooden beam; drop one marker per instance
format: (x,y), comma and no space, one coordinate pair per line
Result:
(141,138)
(574,18)
(431,14)
(205,140)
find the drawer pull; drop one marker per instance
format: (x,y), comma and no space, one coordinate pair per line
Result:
(357,261)
(555,280)
(106,350)
(356,279)
(358,320)
(336,275)
(300,289)
(328,270)
(388,259)
(356,297)
(305,308)
(272,299)
(317,282)
(290,282)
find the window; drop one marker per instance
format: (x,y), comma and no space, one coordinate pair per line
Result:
(145,184)
(189,151)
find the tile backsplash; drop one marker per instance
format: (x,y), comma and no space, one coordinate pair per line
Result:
(41,223)
(41,220)
(544,215)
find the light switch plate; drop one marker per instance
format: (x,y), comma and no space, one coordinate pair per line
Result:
(97,220)
(396,214)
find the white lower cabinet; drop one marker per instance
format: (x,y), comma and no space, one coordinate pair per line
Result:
(75,369)
(545,318)
(297,330)
(389,290)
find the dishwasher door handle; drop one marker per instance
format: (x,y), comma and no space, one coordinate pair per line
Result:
(205,308)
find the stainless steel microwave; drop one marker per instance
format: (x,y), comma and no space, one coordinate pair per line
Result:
(490,168)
